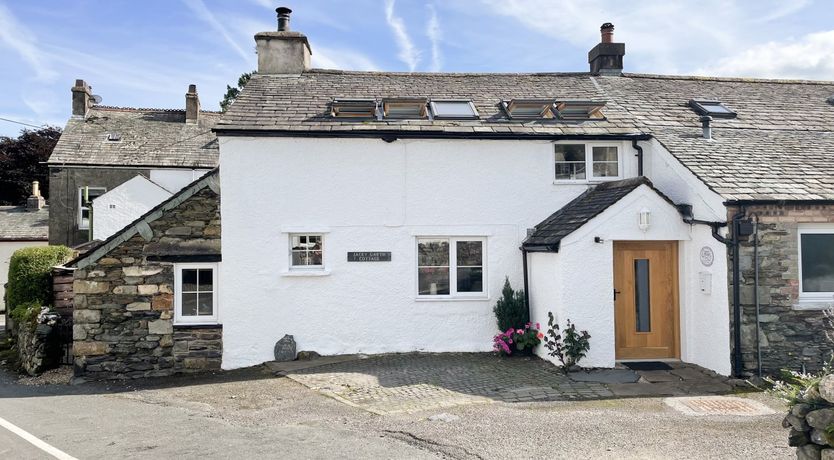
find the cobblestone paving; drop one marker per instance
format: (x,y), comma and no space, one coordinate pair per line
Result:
(393,383)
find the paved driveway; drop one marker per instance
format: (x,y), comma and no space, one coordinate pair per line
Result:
(410,382)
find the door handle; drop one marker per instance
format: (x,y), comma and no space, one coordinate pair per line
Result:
(615,294)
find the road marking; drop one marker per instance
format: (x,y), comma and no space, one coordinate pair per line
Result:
(31,439)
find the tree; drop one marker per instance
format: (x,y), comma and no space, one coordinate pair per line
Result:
(23,160)
(511,309)
(233,93)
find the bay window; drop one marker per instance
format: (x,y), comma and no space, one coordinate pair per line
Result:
(452,267)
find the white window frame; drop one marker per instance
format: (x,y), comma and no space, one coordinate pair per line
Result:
(81,206)
(589,163)
(307,268)
(179,318)
(453,265)
(812,297)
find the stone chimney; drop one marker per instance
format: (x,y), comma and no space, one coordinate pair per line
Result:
(282,52)
(35,201)
(82,98)
(607,57)
(192,105)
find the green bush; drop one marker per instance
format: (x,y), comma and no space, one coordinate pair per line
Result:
(26,313)
(29,274)
(511,309)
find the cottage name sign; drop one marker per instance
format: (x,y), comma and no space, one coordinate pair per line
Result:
(366,256)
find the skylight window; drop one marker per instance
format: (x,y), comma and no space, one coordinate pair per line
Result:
(114,137)
(410,108)
(714,109)
(579,110)
(453,109)
(353,108)
(529,109)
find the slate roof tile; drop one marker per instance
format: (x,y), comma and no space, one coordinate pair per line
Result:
(18,224)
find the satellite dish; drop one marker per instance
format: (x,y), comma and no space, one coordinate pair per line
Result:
(96,99)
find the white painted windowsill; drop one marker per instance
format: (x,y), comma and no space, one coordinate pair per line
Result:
(450,299)
(813,304)
(302,273)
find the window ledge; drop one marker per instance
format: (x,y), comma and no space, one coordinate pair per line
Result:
(297,273)
(451,299)
(213,325)
(817,303)
(585,181)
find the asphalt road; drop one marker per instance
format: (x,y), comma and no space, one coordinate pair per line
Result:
(252,415)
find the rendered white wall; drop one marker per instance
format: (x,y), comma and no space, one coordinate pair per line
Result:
(7,248)
(174,180)
(371,196)
(122,205)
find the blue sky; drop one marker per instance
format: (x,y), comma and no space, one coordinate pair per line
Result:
(144,54)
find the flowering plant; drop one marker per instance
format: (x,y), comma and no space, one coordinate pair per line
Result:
(517,339)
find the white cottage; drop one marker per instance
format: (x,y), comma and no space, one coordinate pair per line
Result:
(372,212)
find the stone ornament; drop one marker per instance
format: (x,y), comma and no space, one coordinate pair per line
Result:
(285,349)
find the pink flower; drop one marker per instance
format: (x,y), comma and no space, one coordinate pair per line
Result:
(511,340)
(519,331)
(538,326)
(540,335)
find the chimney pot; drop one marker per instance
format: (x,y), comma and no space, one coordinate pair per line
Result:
(607,57)
(282,52)
(192,105)
(705,126)
(82,98)
(283,18)
(607,32)
(35,201)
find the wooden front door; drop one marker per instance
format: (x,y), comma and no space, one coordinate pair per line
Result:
(646,300)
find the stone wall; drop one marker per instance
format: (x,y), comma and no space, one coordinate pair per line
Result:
(124,302)
(39,348)
(790,337)
(810,422)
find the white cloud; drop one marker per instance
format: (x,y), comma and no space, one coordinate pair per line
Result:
(660,36)
(810,57)
(409,54)
(435,36)
(16,36)
(201,10)
(344,59)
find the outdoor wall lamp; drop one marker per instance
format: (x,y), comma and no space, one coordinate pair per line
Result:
(645,216)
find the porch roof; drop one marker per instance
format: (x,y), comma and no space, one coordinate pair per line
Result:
(550,232)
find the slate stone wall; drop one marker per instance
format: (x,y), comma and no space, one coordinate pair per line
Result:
(124,303)
(790,337)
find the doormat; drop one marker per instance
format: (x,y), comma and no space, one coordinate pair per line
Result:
(648,366)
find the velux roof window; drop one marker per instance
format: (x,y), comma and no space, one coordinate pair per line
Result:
(579,110)
(353,108)
(405,108)
(529,109)
(453,109)
(713,108)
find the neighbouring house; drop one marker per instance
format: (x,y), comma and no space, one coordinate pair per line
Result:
(124,203)
(372,212)
(21,227)
(103,147)
(126,320)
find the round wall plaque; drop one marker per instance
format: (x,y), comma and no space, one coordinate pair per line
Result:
(707,256)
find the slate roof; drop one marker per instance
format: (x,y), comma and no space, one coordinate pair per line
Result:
(149,138)
(780,147)
(18,224)
(550,232)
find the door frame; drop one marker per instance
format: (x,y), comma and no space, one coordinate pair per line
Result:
(674,246)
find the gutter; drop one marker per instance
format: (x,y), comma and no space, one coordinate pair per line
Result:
(393,135)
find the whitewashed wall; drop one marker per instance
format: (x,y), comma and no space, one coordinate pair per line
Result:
(174,180)
(369,195)
(7,248)
(124,204)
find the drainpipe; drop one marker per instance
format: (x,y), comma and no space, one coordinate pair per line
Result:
(526,287)
(639,155)
(756,292)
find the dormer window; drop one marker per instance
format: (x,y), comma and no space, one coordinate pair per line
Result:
(453,109)
(404,108)
(713,108)
(529,109)
(353,108)
(579,110)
